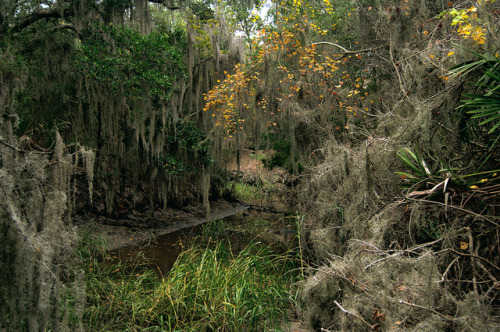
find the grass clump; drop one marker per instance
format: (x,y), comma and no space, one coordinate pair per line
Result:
(207,289)
(211,289)
(257,193)
(246,192)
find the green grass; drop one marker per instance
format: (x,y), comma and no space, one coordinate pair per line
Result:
(246,192)
(208,289)
(253,194)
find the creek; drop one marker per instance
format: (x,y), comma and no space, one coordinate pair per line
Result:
(238,227)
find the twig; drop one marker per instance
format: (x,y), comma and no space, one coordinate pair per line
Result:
(475,256)
(457,208)
(471,251)
(406,251)
(19,150)
(428,309)
(354,315)
(400,80)
(383,259)
(488,272)
(346,51)
(448,268)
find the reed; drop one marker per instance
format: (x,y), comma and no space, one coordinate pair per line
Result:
(208,289)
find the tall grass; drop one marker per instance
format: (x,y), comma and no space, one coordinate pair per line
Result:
(208,289)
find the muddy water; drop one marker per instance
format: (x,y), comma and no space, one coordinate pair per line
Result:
(162,252)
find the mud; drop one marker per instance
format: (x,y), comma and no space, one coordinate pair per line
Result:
(138,229)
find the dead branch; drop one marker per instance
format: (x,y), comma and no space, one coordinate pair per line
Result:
(448,318)
(19,150)
(354,315)
(401,252)
(453,207)
(471,251)
(474,256)
(426,192)
(345,50)
(448,269)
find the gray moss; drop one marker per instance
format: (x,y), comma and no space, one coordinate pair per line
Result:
(39,276)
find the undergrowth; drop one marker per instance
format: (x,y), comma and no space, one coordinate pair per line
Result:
(254,194)
(209,288)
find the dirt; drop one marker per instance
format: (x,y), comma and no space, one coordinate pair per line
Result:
(252,167)
(139,228)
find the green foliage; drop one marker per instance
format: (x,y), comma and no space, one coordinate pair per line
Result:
(282,148)
(190,139)
(133,64)
(207,289)
(202,10)
(172,165)
(246,192)
(115,6)
(446,178)
(43,102)
(279,158)
(485,104)
(433,231)
(243,292)
(424,174)
(213,229)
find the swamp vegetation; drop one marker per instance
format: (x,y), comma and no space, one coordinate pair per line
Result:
(370,128)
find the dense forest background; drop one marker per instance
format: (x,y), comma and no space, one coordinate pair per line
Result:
(385,114)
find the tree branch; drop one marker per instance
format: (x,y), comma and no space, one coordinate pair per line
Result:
(345,50)
(354,315)
(39,15)
(57,13)
(172,5)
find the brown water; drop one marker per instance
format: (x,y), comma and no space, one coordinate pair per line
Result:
(162,252)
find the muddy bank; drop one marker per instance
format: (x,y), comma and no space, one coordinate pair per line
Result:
(140,228)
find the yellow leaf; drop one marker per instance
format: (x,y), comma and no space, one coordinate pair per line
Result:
(451,53)
(474,187)
(464,245)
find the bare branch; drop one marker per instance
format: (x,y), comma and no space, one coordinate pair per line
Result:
(448,318)
(448,269)
(354,315)
(454,207)
(2,141)
(345,50)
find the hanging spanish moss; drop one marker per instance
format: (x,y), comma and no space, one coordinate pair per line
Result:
(39,282)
